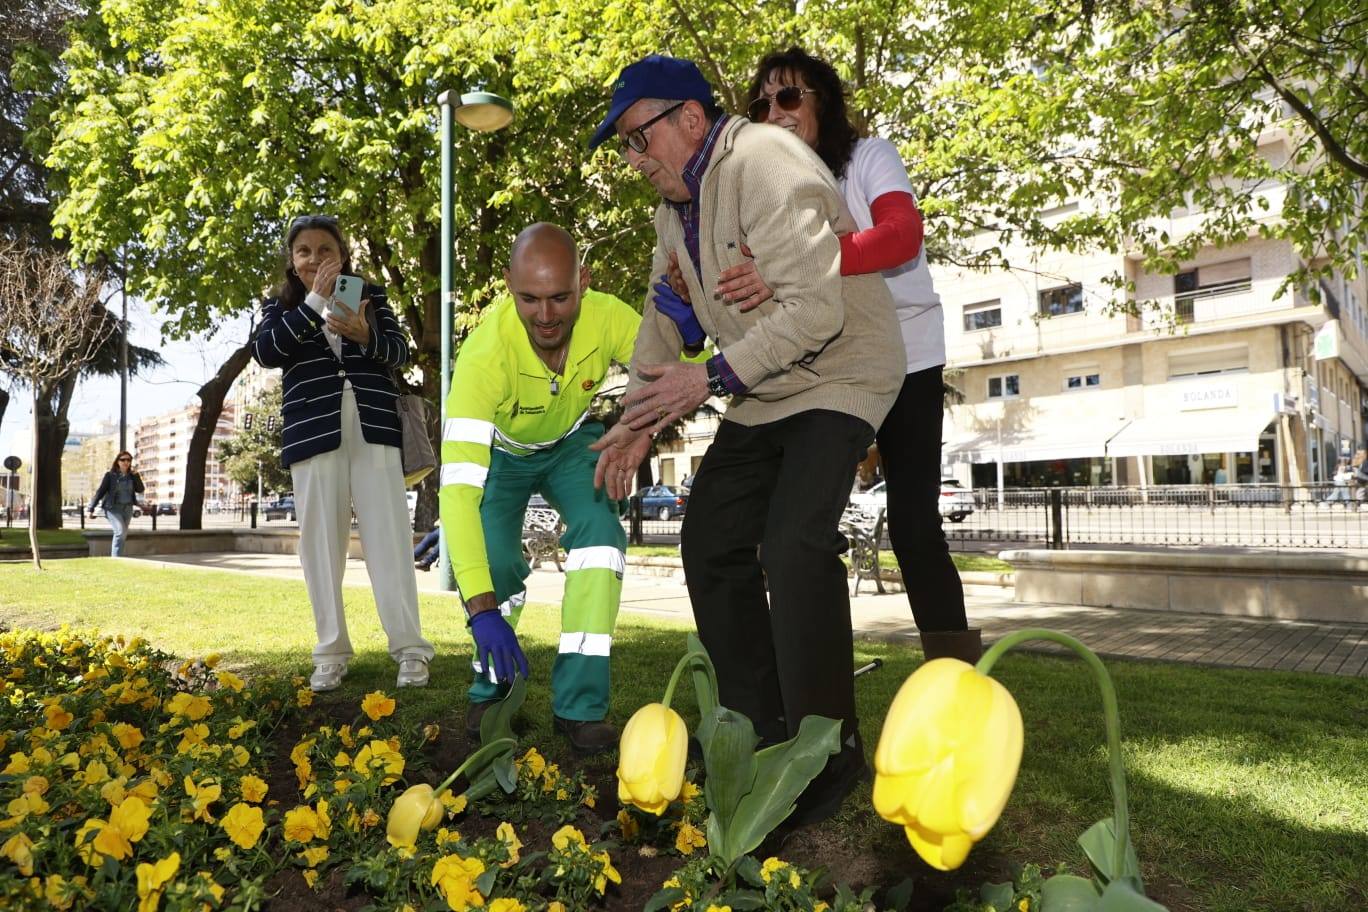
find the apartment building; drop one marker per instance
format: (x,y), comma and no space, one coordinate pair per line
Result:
(161,447)
(1223,373)
(85,459)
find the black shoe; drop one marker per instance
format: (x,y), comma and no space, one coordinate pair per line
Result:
(421,566)
(473,716)
(588,737)
(824,795)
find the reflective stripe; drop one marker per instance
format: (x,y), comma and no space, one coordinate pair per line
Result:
(464,473)
(467,430)
(590,644)
(604,557)
(480,670)
(504,442)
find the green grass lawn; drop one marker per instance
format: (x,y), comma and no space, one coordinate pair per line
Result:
(47,538)
(1247,788)
(976,562)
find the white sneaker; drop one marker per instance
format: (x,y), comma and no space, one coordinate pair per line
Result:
(327,676)
(413,672)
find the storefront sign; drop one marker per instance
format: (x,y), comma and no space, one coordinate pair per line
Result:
(1196,396)
(1326,344)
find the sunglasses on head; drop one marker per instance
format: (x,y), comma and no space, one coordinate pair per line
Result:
(788,98)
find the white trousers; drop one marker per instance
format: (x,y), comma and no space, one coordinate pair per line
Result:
(367,478)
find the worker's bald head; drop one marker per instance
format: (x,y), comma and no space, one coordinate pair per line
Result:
(546,280)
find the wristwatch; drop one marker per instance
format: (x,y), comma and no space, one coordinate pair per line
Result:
(716,385)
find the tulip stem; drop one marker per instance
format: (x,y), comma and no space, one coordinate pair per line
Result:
(1120,805)
(687,659)
(493,747)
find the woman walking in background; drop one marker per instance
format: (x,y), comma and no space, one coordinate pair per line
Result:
(118,491)
(341,442)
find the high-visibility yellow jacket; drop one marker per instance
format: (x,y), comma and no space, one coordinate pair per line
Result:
(501,397)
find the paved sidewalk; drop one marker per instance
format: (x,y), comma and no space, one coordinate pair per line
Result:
(1340,649)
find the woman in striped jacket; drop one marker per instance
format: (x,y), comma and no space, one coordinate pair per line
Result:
(341,442)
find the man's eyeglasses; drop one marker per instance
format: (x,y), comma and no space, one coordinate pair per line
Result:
(788,99)
(125,459)
(636,139)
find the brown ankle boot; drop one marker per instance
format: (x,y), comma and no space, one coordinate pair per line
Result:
(965,645)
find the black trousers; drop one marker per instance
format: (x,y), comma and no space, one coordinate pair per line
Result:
(769,498)
(910,449)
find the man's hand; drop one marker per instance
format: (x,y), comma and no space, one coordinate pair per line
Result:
(496,645)
(675,276)
(620,451)
(677,390)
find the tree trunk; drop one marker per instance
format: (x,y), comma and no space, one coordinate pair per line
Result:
(4,404)
(211,396)
(35,473)
(50,433)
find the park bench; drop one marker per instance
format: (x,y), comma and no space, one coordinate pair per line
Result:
(542,530)
(864,530)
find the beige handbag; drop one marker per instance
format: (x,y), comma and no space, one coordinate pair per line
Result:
(416,449)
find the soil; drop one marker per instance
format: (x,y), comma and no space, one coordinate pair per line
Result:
(858,855)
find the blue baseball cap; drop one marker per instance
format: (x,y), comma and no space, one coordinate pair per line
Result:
(654,76)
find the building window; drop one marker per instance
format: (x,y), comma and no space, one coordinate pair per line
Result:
(1214,281)
(984,315)
(1055,302)
(1007,386)
(1082,380)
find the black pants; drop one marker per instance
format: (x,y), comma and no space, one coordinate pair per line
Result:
(770,498)
(910,449)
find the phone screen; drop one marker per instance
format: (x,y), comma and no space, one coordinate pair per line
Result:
(347,290)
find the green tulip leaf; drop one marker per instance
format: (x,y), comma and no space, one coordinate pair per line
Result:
(748,869)
(1122,896)
(506,773)
(705,691)
(1099,845)
(1069,893)
(497,722)
(739,900)
(663,900)
(781,774)
(999,896)
(900,895)
(485,882)
(730,761)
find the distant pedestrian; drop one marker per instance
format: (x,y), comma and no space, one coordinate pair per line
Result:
(341,443)
(118,491)
(425,553)
(1343,476)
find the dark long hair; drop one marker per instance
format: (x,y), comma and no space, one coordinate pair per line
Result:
(120,455)
(291,290)
(836,135)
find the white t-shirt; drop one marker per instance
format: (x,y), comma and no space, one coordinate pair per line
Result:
(875,169)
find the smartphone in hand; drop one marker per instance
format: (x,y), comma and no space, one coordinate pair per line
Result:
(347,290)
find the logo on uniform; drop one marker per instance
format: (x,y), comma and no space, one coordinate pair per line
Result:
(587,385)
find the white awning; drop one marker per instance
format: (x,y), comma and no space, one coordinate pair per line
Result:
(1208,431)
(1044,439)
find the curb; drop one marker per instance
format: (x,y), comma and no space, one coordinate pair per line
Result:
(673,567)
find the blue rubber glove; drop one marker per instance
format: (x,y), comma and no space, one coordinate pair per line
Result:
(496,645)
(681,311)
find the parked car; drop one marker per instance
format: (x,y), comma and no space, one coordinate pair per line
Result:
(166,509)
(956,502)
(663,501)
(284,508)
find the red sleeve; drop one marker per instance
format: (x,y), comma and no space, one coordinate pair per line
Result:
(895,238)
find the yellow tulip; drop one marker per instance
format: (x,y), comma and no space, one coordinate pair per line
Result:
(651,760)
(947,759)
(416,809)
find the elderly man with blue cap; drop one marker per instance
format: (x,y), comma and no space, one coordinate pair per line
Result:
(808,376)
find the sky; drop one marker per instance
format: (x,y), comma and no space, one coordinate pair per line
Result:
(188,365)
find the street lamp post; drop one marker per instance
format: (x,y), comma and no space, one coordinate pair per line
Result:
(483,112)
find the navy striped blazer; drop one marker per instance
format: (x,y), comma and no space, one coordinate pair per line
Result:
(311,386)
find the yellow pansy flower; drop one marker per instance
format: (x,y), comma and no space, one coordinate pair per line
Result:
(380,755)
(253,788)
(301,824)
(509,837)
(311,877)
(192,706)
(455,877)
(304,697)
(689,838)
(243,823)
(606,872)
(152,878)
(231,681)
(19,763)
(566,836)
(128,736)
(239,728)
(315,856)
(19,849)
(56,717)
(201,796)
(506,904)
(628,824)
(192,737)
(376,705)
